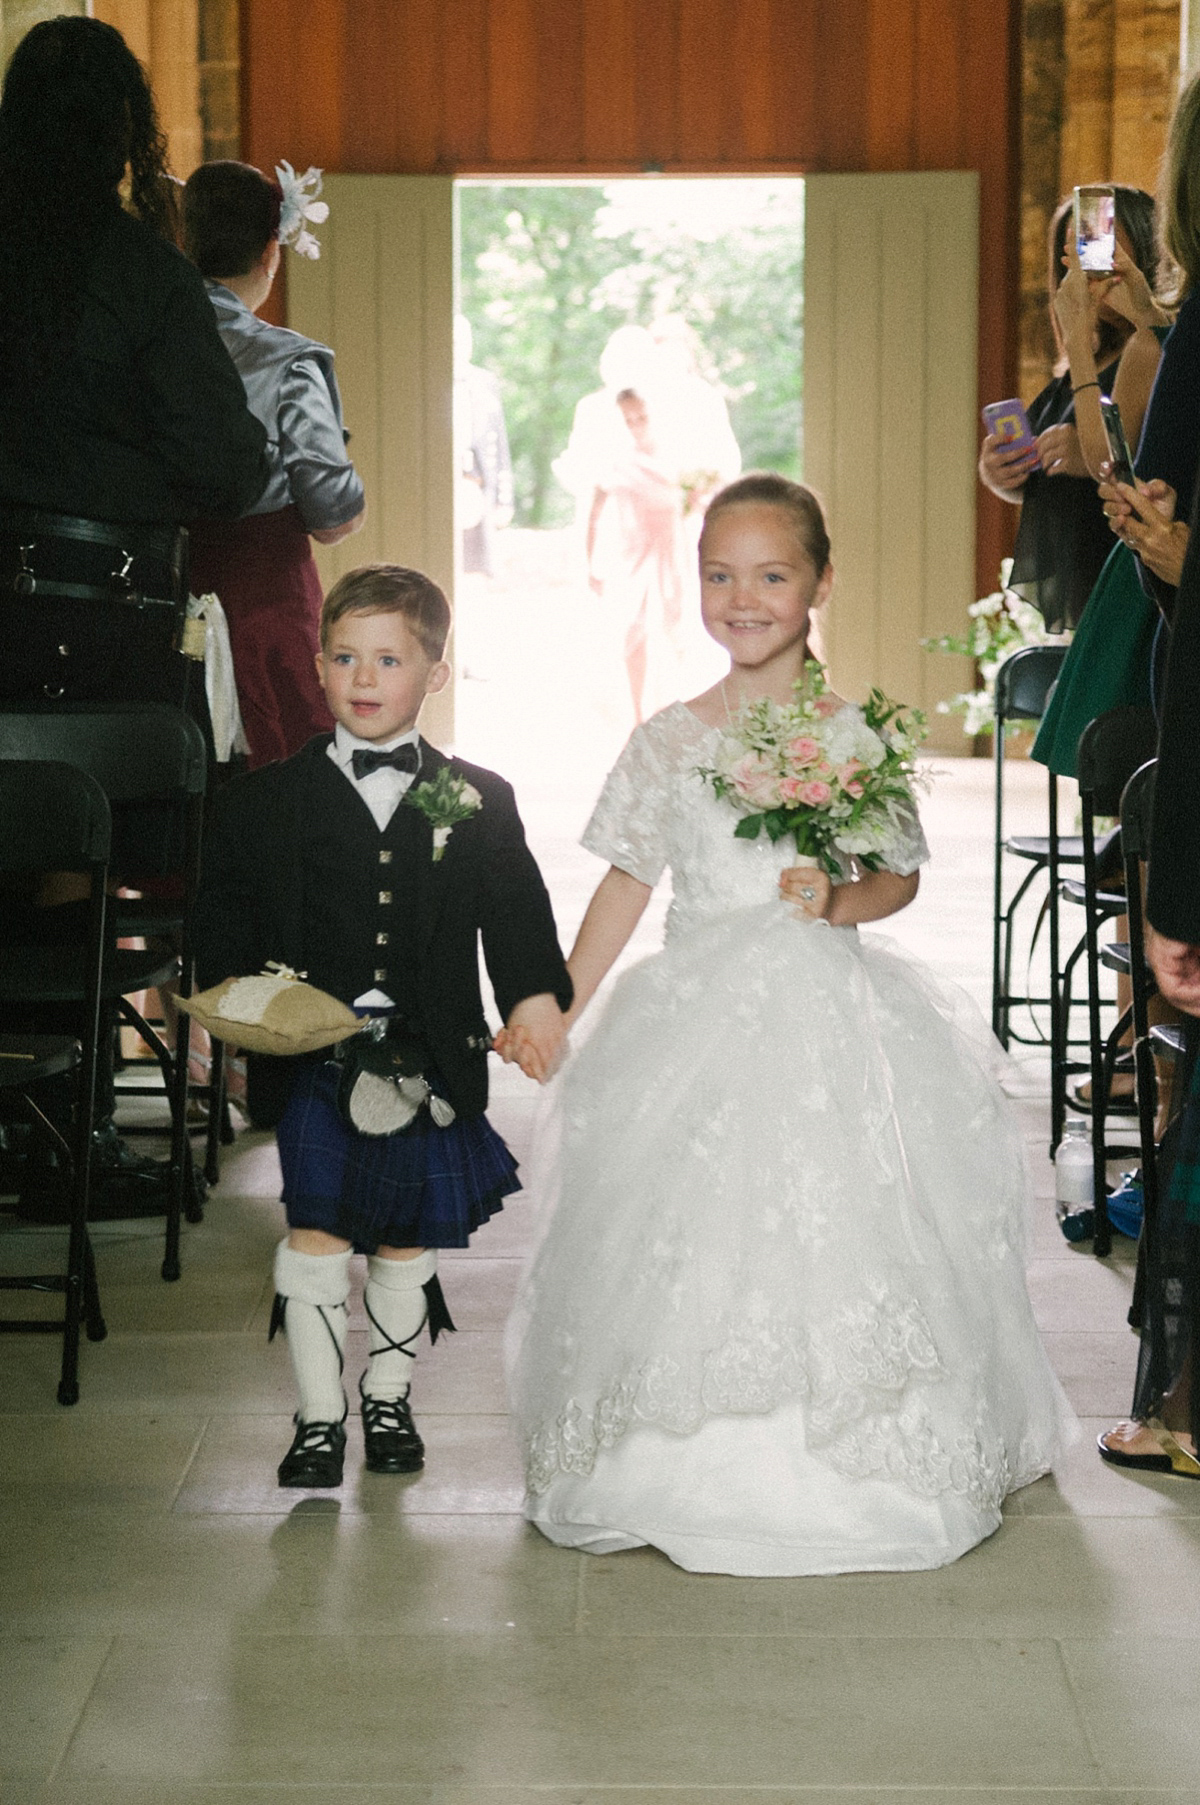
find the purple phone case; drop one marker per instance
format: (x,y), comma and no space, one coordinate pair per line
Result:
(1008,422)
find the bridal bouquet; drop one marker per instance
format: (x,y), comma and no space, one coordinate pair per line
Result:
(833,777)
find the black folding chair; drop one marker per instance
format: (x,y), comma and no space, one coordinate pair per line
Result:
(1111,748)
(54,818)
(1023,686)
(1137,801)
(150,762)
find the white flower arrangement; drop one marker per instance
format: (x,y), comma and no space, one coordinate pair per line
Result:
(998,625)
(300,208)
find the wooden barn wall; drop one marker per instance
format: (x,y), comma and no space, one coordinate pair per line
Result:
(616,87)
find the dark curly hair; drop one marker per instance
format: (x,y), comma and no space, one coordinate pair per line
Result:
(76,112)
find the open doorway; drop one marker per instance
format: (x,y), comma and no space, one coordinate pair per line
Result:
(623,348)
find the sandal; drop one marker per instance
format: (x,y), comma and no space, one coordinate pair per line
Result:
(1173,1458)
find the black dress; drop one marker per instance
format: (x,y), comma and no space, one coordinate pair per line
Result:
(142,423)
(1063,539)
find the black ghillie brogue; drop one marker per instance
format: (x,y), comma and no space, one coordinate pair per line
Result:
(315,1457)
(391,1441)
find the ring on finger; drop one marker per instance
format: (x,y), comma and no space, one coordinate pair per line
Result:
(807,893)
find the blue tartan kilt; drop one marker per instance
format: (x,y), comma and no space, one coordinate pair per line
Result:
(427,1187)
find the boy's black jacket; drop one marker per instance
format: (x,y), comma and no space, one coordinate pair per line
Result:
(293,871)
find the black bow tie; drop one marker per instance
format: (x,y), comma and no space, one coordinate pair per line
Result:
(401,758)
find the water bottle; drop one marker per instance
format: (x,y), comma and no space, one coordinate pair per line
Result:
(1074,1182)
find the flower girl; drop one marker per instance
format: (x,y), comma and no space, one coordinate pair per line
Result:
(777,1321)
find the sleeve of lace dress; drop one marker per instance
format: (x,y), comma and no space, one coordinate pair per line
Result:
(906,847)
(628,824)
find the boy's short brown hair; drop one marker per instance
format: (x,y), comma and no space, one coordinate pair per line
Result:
(391,589)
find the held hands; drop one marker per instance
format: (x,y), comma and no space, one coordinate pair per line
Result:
(809,890)
(1145,519)
(533,1037)
(1177,967)
(1060,452)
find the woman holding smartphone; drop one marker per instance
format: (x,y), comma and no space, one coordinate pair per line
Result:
(1063,541)
(1109,663)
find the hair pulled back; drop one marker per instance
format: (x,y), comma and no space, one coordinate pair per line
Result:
(768,489)
(230,215)
(76,112)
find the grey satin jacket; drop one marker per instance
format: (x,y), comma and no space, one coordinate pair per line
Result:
(290,386)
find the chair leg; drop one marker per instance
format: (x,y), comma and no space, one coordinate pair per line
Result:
(1058,1015)
(181,1160)
(216,1113)
(1102,1237)
(93,1318)
(999,1023)
(77,1252)
(1145,1075)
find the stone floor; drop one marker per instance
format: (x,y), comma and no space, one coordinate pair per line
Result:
(173,1628)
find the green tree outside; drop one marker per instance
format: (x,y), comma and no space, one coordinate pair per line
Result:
(550,270)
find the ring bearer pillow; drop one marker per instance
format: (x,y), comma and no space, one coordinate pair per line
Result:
(275,1012)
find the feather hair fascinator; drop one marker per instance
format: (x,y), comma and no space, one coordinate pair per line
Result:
(300,208)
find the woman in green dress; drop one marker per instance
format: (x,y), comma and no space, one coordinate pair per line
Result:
(1109,661)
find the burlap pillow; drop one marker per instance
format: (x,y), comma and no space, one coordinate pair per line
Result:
(272,1013)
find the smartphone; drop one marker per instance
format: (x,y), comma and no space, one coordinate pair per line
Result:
(1008,422)
(1096,228)
(1118,444)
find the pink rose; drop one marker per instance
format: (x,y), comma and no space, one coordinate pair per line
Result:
(754,781)
(854,789)
(790,788)
(815,794)
(848,772)
(804,750)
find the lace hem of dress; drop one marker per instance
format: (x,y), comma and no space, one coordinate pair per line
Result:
(865,1381)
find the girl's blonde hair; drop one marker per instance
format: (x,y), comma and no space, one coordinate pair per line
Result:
(771,490)
(1179,196)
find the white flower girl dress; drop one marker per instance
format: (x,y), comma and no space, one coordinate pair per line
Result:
(777,1320)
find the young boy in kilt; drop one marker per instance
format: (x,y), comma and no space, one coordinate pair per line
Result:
(374,865)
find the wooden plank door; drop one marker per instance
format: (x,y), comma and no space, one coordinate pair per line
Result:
(891,424)
(383,295)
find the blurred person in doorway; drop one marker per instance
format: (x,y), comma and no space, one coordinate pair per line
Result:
(696,418)
(634,550)
(621,465)
(484,492)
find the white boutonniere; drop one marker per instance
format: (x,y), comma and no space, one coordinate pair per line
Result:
(444,800)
